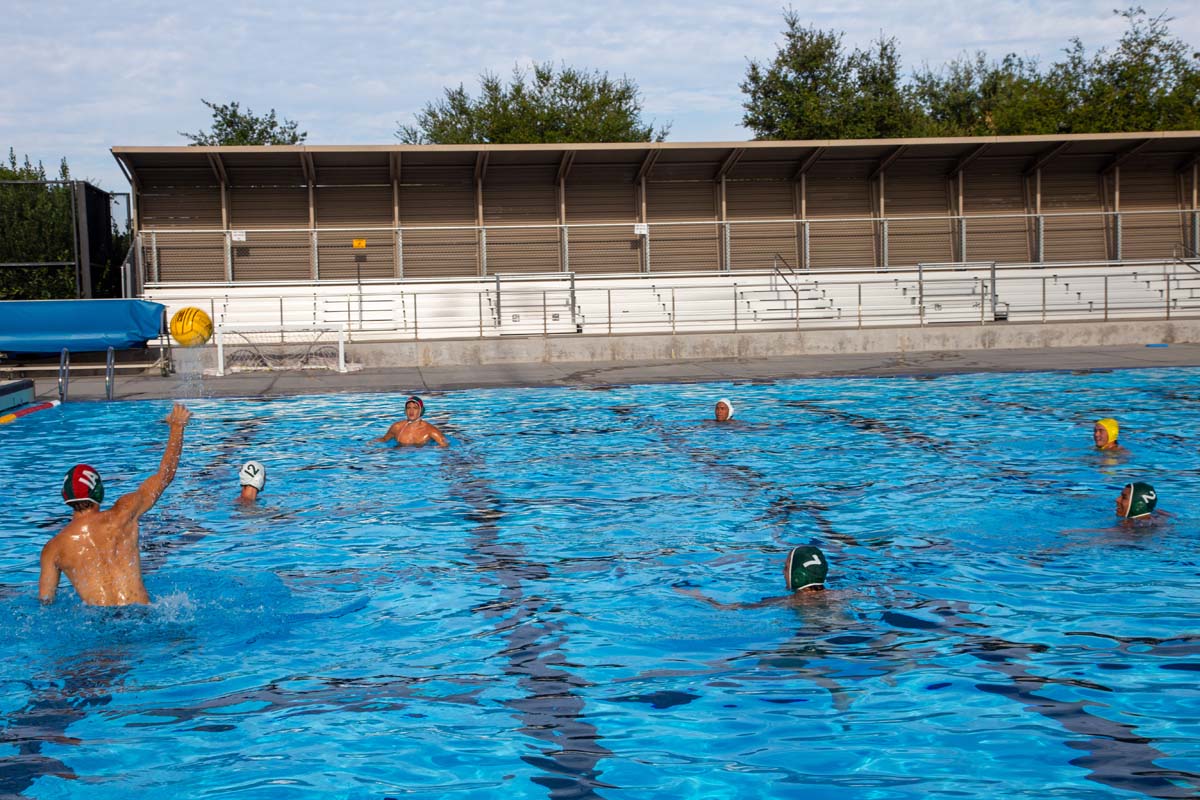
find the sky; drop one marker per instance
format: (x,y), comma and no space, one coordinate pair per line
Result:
(81,77)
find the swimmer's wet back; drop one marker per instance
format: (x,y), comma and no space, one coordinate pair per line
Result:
(502,618)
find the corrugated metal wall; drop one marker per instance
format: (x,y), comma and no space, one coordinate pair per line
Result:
(753,245)
(270,197)
(1149,185)
(680,248)
(996,186)
(183,198)
(918,188)
(1073,184)
(524,195)
(357,198)
(355,192)
(439,196)
(603,194)
(180,198)
(840,189)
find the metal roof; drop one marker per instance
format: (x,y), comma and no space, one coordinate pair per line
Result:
(745,158)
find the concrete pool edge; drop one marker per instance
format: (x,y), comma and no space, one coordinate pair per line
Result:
(602,373)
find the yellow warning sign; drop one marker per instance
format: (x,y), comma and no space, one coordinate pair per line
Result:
(360,244)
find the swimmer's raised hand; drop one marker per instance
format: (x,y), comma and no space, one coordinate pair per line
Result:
(179,415)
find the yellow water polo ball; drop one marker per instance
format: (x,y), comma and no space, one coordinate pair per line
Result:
(191,327)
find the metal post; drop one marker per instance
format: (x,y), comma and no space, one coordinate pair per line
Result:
(499,322)
(647,248)
(109,366)
(672,310)
(480,296)
(921,292)
(735,309)
(884,243)
(1168,294)
(483,250)
(566,249)
(140,262)
(1041,239)
(545,315)
(1117,227)
(995,293)
(228,257)
(1043,298)
(982,305)
(807,250)
(728,249)
(860,305)
(962,238)
(281,319)
(399,254)
(416,319)
(609,311)
(154,254)
(220,351)
(64,375)
(1196,231)
(1105,298)
(342,349)
(314,248)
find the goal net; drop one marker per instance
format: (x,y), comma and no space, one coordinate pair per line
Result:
(278,348)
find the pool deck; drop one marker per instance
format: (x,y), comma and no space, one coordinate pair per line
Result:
(432,379)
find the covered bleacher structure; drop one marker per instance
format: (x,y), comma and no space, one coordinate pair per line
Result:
(418,242)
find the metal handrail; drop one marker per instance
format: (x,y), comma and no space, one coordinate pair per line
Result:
(1066,294)
(64,374)
(675,224)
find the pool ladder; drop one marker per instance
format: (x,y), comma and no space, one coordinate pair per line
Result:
(64,374)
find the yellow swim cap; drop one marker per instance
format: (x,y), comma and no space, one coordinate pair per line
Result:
(1110,426)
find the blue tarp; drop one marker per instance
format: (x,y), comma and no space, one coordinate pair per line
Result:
(81,326)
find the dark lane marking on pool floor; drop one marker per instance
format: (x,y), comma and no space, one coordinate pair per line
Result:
(1117,756)
(551,711)
(781,503)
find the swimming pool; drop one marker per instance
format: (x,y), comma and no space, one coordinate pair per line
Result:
(506,617)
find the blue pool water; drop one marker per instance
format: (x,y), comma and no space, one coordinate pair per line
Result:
(505,618)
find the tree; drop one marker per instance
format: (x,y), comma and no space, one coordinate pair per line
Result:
(1150,82)
(813,90)
(232,126)
(35,228)
(549,106)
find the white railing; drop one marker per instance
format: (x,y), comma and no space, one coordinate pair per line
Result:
(365,254)
(683,302)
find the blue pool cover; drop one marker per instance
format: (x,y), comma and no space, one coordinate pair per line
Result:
(47,326)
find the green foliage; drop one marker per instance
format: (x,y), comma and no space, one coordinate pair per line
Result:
(232,126)
(568,105)
(813,90)
(35,227)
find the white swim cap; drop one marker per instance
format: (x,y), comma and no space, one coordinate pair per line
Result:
(253,474)
(728,404)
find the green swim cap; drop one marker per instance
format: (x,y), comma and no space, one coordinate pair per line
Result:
(806,567)
(1142,500)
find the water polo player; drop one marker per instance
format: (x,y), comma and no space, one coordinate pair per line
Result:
(1104,434)
(804,571)
(253,477)
(412,430)
(99,549)
(724,410)
(1137,501)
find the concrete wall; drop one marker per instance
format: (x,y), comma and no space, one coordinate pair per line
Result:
(665,347)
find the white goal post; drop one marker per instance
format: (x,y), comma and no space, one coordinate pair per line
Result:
(253,348)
